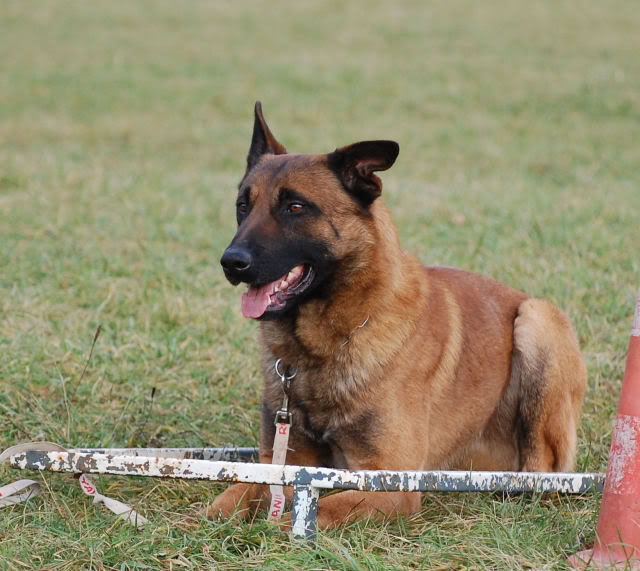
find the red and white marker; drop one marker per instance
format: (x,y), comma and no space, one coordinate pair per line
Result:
(618,534)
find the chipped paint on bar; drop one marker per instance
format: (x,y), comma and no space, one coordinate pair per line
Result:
(306,481)
(304,512)
(227,454)
(366,480)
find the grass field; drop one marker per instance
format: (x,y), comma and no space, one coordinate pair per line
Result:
(124,128)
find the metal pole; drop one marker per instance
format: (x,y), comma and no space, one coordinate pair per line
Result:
(365,480)
(307,481)
(226,454)
(304,512)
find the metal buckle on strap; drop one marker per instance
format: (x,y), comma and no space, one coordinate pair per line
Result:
(283,415)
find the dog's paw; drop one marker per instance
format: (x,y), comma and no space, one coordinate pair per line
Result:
(286,523)
(237,502)
(223,507)
(216,512)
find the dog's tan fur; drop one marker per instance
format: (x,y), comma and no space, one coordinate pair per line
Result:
(451,370)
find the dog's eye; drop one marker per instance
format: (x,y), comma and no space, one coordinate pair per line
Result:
(295,207)
(242,206)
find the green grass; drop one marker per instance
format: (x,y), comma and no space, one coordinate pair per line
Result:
(124,130)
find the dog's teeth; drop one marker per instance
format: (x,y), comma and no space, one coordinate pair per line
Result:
(284,284)
(294,274)
(277,288)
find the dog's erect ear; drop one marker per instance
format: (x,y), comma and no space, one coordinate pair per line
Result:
(262,140)
(354,166)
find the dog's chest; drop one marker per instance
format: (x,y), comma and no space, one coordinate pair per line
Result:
(330,409)
(343,438)
(342,431)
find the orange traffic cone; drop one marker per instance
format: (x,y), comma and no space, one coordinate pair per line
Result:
(618,533)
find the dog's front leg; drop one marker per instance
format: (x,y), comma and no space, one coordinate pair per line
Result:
(244,500)
(240,499)
(343,507)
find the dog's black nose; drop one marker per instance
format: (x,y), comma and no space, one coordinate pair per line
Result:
(236,259)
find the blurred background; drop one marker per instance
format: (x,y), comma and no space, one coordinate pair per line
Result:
(124,128)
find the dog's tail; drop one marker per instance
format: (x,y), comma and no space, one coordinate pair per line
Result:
(552,377)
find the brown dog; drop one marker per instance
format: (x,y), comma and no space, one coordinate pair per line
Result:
(398,366)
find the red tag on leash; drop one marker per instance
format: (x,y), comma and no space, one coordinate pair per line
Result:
(280,443)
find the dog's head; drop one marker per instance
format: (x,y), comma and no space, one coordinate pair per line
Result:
(303,220)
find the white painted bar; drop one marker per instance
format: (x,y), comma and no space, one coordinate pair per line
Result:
(304,512)
(225,454)
(365,480)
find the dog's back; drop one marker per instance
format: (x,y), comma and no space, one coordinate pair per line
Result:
(522,354)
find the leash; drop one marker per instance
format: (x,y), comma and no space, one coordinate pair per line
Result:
(281,440)
(23,490)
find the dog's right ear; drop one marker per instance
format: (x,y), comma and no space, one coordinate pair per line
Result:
(262,140)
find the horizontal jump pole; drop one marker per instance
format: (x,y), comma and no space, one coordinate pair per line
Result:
(327,478)
(226,454)
(222,465)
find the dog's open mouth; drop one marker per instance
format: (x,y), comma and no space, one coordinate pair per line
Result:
(274,296)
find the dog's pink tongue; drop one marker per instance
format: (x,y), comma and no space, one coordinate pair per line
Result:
(256,300)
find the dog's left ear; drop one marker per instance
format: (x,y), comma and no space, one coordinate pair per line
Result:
(262,140)
(355,164)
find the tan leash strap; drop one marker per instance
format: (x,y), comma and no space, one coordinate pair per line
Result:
(42,446)
(280,444)
(18,492)
(23,490)
(281,441)
(120,509)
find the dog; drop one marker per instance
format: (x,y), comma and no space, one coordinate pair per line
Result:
(398,366)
